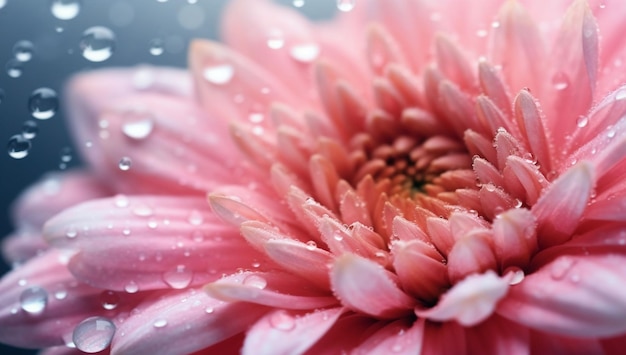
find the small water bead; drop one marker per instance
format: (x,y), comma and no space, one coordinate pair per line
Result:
(66,154)
(219,74)
(18,147)
(97,44)
(65,9)
(23,51)
(125,163)
(620,94)
(160,323)
(560,81)
(71,232)
(611,132)
(121,201)
(582,121)
(195,218)
(143,211)
(22,282)
(43,103)
(34,300)
(109,300)
(345,5)
(30,129)
(209,310)
(255,281)
(60,294)
(311,245)
(137,125)
(561,267)
(298,3)
(305,53)
(131,287)
(178,278)
(275,39)
(281,320)
(517,275)
(14,68)
(93,334)
(156,46)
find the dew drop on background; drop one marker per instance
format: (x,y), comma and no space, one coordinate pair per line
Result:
(43,103)
(30,129)
(93,334)
(345,5)
(65,9)
(1,94)
(18,147)
(97,44)
(125,163)
(14,68)
(156,47)
(298,3)
(23,50)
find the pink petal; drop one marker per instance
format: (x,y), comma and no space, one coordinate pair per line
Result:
(398,337)
(444,338)
(470,301)
(22,245)
(146,242)
(471,253)
(453,64)
(282,333)
(514,237)
(529,120)
(382,49)
(496,95)
(187,321)
(362,285)
(560,208)
(578,296)
(511,337)
(542,343)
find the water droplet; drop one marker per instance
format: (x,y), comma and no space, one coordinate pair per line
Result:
(305,53)
(396,348)
(143,211)
(255,281)
(611,132)
(298,3)
(482,33)
(160,323)
(338,236)
(18,147)
(195,218)
(311,245)
(178,278)
(2,3)
(34,300)
(281,320)
(30,129)
(345,5)
(153,223)
(66,154)
(71,232)
(582,121)
(109,300)
(60,293)
(131,287)
(65,9)
(43,103)
(97,44)
(137,125)
(275,39)
(93,334)
(23,51)
(209,309)
(125,163)
(620,94)
(14,68)
(561,267)
(219,74)
(156,47)
(517,275)
(560,81)
(121,201)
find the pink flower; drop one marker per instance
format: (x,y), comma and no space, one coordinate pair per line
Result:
(440,178)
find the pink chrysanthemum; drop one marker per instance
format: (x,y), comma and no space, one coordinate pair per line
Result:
(436,177)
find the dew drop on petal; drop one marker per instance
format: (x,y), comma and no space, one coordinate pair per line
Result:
(137,125)
(121,201)
(561,267)
(65,9)
(23,51)
(620,94)
(14,68)
(34,300)
(131,287)
(219,74)
(178,278)
(517,275)
(305,53)
(156,47)
(560,81)
(60,294)
(582,121)
(195,218)
(311,245)
(160,323)
(275,39)
(97,44)
(30,129)
(281,320)
(18,147)
(345,5)
(43,103)
(93,334)
(71,232)
(143,211)
(109,300)
(125,163)
(255,281)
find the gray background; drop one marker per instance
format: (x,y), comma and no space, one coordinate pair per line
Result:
(57,56)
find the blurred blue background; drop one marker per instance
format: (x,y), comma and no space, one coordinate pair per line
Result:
(137,24)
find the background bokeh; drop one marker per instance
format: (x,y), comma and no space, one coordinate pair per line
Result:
(138,25)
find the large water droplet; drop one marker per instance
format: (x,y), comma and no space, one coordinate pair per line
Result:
(65,9)
(305,53)
(125,163)
(43,103)
(219,74)
(18,147)
(582,121)
(178,278)
(109,300)
(345,5)
(23,51)
(97,44)
(30,129)
(137,125)
(255,281)
(34,299)
(93,334)
(156,46)
(281,320)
